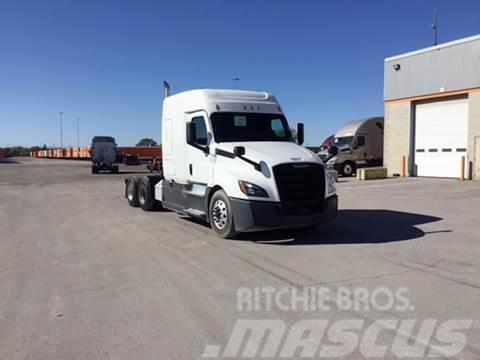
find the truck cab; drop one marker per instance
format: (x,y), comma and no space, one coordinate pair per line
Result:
(357,144)
(230,160)
(104,154)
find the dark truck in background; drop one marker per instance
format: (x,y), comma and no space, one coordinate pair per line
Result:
(104,154)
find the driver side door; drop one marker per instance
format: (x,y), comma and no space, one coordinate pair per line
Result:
(198,154)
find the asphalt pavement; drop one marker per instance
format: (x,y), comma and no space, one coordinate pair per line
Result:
(85,276)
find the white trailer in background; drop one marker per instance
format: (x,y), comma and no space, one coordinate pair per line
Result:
(229,159)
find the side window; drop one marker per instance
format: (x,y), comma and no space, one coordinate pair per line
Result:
(201,130)
(360,140)
(277,127)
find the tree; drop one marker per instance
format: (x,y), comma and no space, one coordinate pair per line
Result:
(147,142)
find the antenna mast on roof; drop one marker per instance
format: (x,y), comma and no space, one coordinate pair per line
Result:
(235,82)
(435,25)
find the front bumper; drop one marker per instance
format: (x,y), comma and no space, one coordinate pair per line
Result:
(259,215)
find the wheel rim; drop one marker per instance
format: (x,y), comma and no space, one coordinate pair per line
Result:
(141,196)
(130,191)
(348,169)
(220,214)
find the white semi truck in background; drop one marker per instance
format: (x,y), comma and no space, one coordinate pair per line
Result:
(229,159)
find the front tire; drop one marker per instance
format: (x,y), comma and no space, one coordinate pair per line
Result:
(221,215)
(347,169)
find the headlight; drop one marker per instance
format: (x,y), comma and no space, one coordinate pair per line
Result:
(252,189)
(331,188)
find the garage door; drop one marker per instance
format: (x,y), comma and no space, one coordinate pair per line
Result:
(441,137)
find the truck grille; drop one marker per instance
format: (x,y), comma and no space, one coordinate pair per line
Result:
(301,187)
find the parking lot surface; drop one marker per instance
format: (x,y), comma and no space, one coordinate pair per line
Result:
(85,276)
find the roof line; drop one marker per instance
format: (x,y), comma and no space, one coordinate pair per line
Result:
(437,47)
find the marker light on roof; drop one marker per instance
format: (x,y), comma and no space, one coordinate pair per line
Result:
(244,107)
(218,107)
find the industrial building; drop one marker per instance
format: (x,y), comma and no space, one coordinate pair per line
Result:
(432,111)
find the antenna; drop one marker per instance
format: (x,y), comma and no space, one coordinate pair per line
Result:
(435,25)
(235,82)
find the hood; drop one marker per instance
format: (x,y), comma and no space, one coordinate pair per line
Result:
(273,153)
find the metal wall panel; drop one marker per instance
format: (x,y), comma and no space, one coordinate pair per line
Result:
(439,69)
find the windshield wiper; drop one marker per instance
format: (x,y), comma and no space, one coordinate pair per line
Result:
(233,156)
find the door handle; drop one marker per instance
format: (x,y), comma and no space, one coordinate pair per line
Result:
(190,168)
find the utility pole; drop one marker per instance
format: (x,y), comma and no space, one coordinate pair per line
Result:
(235,82)
(61,129)
(78,132)
(435,25)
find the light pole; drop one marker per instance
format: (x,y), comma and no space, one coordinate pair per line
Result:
(61,129)
(78,132)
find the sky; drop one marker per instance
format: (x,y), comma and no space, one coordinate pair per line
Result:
(104,61)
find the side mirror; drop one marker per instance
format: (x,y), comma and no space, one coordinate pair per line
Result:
(239,151)
(191,133)
(333,150)
(300,133)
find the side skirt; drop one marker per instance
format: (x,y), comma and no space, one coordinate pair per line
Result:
(189,199)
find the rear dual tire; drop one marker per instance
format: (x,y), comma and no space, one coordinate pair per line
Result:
(131,191)
(146,198)
(140,192)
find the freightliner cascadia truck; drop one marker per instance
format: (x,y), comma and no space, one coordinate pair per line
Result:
(229,159)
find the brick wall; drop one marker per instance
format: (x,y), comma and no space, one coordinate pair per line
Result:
(397,135)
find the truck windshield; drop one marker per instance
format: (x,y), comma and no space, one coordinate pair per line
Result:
(238,127)
(343,141)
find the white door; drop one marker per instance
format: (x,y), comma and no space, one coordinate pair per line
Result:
(197,155)
(441,138)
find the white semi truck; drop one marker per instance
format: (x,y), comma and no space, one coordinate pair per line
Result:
(229,159)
